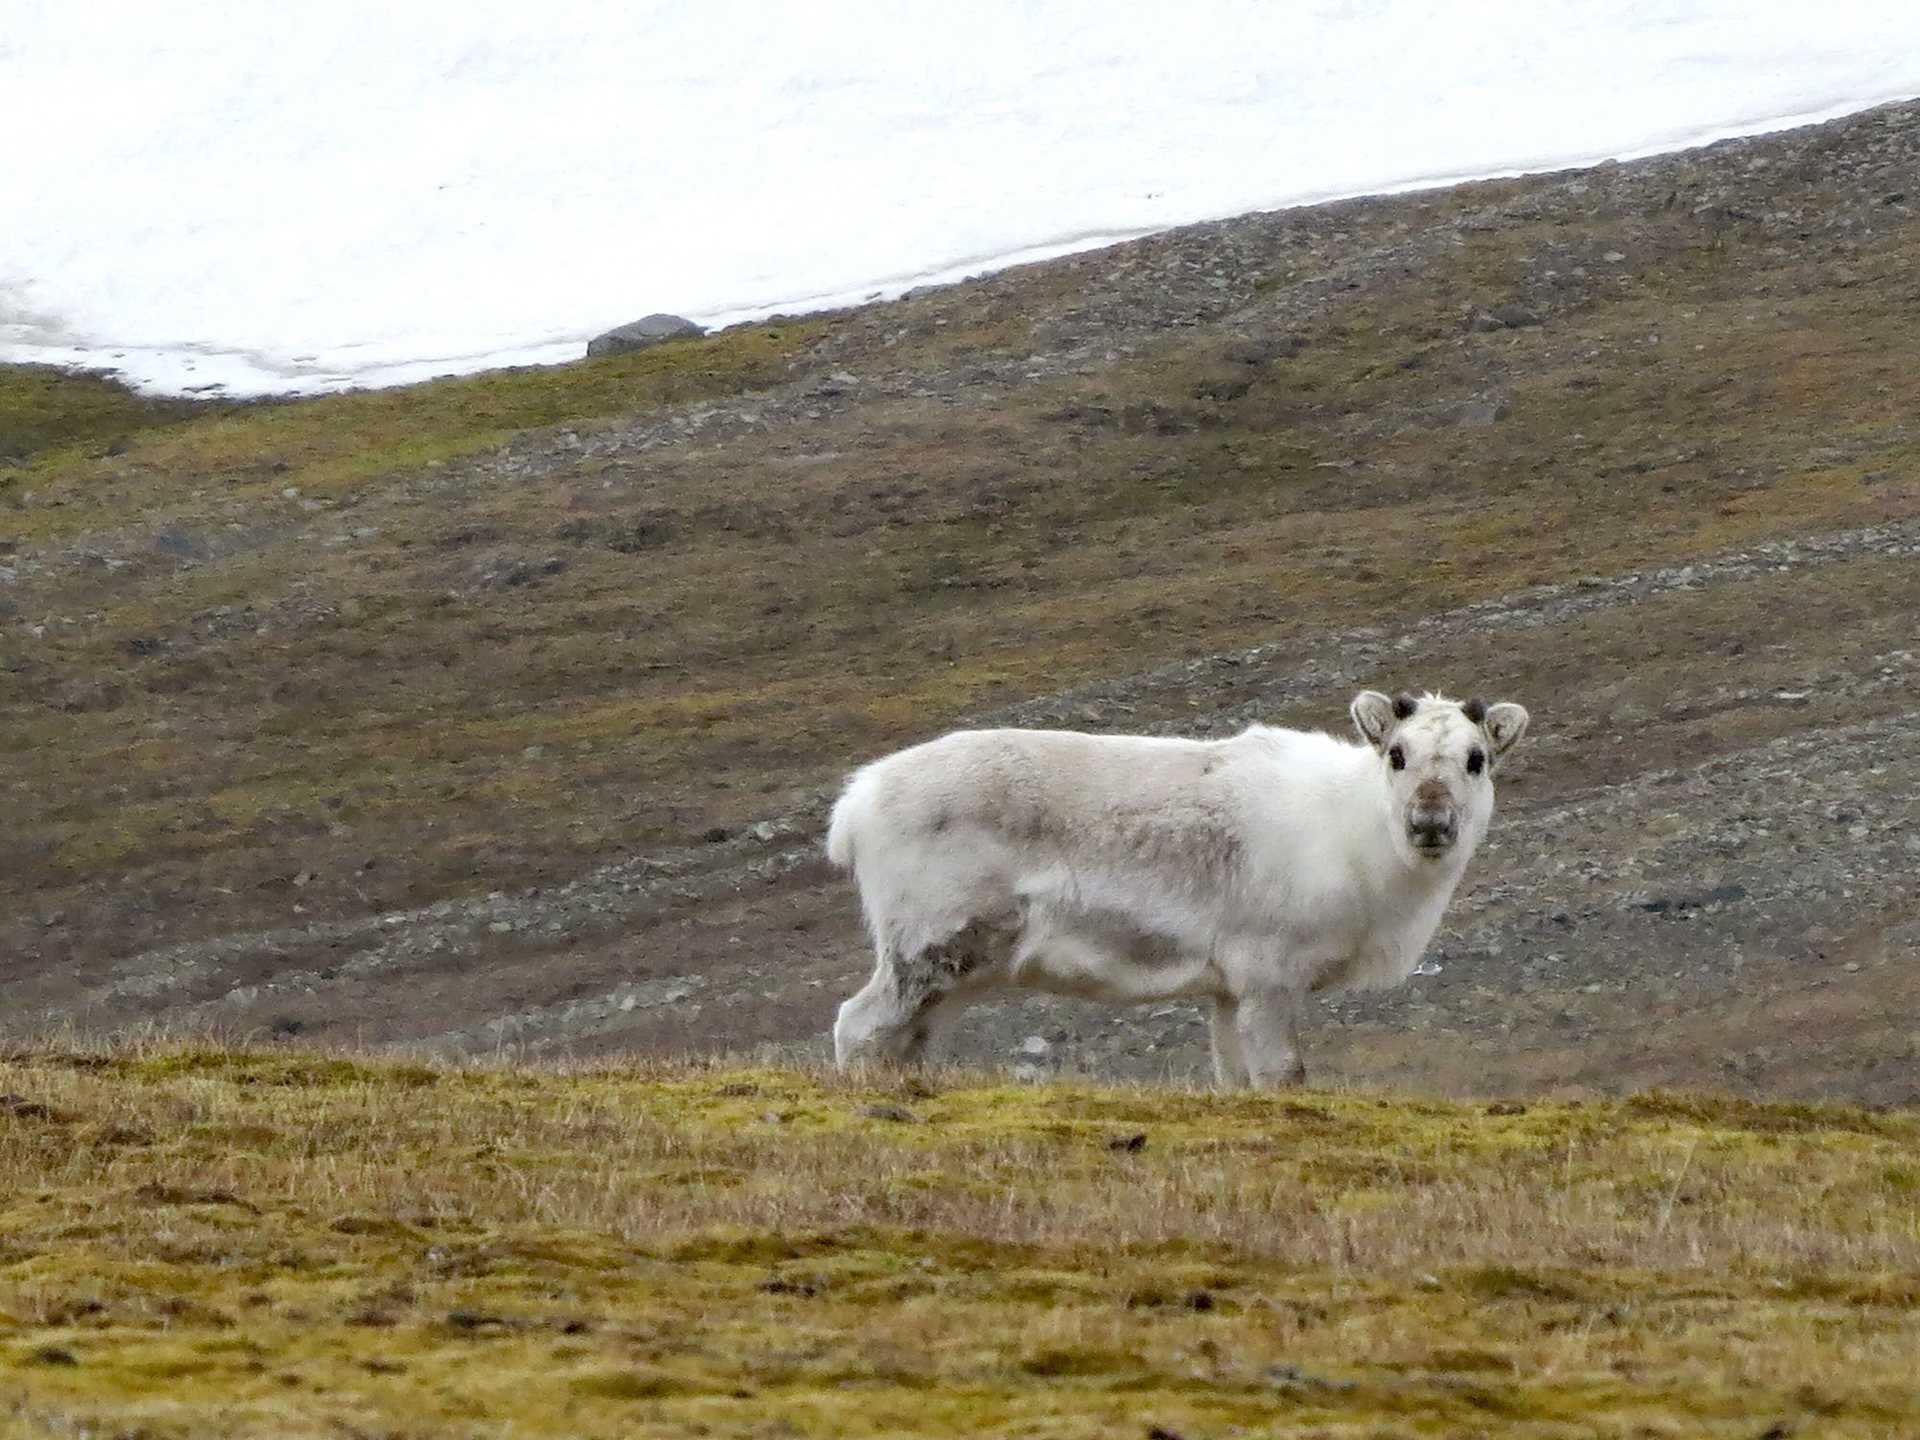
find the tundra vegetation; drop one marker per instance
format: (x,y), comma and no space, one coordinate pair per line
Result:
(199,1239)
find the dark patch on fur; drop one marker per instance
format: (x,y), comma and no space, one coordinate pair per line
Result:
(1404,705)
(1475,710)
(1032,822)
(940,967)
(1115,932)
(920,1032)
(924,980)
(940,822)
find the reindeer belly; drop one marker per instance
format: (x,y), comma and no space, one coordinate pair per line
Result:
(1104,955)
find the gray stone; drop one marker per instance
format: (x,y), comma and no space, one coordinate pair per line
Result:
(1504,317)
(639,334)
(179,544)
(897,1114)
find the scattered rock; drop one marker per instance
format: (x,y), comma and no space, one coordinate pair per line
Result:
(641,333)
(1262,352)
(22,1108)
(781,1285)
(180,545)
(1291,1377)
(155,1193)
(897,1114)
(1504,317)
(1222,390)
(471,1320)
(1682,904)
(838,383)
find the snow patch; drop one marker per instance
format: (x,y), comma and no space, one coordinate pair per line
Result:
(246,200)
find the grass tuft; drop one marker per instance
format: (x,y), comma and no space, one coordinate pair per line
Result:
(306,1243)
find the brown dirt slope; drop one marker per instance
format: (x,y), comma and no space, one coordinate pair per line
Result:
(502,711)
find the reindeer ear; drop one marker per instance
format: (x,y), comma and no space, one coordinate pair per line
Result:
(1373,716)
(1506,723)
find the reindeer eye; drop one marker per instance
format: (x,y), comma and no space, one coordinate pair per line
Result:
(1476,760)
(1397,758)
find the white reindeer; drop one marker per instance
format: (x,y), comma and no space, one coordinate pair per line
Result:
(1251,871)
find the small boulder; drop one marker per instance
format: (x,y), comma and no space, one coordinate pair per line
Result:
(896,1114)
(1503,317)
(639,334)
(1515,317)
(179,545)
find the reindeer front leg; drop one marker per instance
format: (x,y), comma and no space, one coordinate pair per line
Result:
(1229,1065)
(1268,1024)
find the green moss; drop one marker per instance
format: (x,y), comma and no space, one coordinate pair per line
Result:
(44,409)
(333,1240)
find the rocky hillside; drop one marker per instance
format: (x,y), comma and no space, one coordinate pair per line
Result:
(502,711)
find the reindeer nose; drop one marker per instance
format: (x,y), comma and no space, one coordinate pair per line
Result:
(1432,822)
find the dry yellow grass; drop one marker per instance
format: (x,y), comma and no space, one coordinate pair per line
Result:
(196,1240)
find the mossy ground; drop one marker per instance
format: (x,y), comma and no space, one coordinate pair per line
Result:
(44,409)
(202,1240)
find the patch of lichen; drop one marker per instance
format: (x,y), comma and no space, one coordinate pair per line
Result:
(301,1243)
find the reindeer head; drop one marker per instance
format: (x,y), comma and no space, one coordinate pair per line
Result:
(1439,756)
